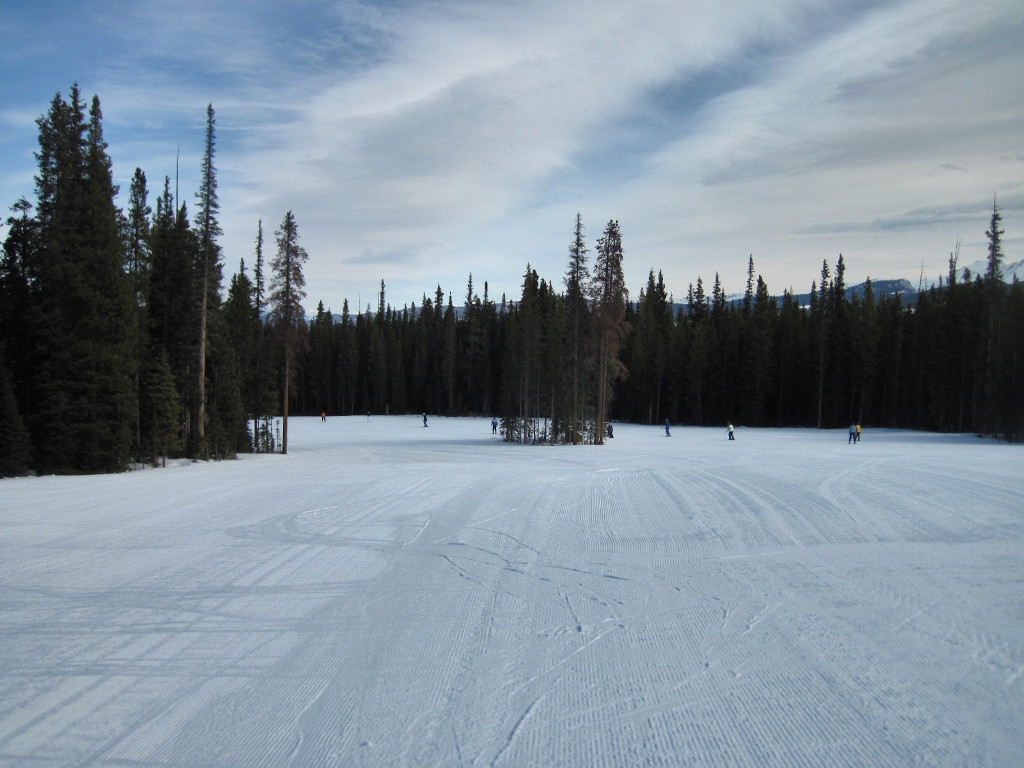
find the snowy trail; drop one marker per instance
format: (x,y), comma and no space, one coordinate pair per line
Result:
(393,595)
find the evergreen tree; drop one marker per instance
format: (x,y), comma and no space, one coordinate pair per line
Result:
(80,320)
(994,270)
(209,271)
(748,295)
(992,361)
(172,297)
(322,364)
(577,280)
(162,408)
(19,271)
(228,432)
(821,318)
(347,361)
(609,297)
(287,290)
(15,447)
(522,362)
(245,335)
(264,384)
(864,354)
(138,237)
(649,352)
(137,243)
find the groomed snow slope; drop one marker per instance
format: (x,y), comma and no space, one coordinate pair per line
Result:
(389,595)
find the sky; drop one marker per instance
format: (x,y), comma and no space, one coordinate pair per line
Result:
(420,143)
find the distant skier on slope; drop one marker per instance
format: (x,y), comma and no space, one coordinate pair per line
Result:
(853,434)
(732,434)
(494,426)
(667,432)
(424,419)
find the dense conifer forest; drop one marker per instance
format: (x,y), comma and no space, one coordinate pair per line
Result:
(119,345)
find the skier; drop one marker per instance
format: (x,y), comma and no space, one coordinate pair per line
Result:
(494,426)
(323,416)
(424,419)
(667,433)
(732,436)
(610,432)
(858,434)
(853,434)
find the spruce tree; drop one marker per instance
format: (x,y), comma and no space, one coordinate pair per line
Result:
(209,270)
(172,320)
(287,290)
(243,327)
(322,364)
(991,358)
(577,280)
(19,266)
(994,268)
(81,315)
(109,318)
(609,297)
(137,243)
(15,448)
(346,373)
(161,407)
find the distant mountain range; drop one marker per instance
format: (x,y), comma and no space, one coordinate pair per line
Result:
(905,289)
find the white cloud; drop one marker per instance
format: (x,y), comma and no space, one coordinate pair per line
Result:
(418,142)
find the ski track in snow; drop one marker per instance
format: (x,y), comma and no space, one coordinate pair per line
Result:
(387,595)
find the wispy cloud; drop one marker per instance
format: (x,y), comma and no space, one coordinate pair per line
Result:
(417,142)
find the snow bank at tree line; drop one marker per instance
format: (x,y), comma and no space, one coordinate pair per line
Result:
(389,594)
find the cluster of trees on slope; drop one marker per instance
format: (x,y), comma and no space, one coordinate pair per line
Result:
(117,345)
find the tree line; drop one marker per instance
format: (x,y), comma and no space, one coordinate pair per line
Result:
(119,345)
(558,362)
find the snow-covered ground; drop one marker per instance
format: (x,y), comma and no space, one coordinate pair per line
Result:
(389,595)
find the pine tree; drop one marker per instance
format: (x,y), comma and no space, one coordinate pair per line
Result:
(287,290)
(172,321)
(109,319)
(748,295)
(137,236)
(609,297)
(264,385)
(650,351)
(162,408)
(19,267)
(347,361)
(821,316)
(15,447)
(522,365)
(762,353)
(245,332)
(209,270)
(577,280)
(81,316)
(992,360)
(322,364)
(994,269)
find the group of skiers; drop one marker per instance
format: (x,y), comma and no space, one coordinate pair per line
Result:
(854,437)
